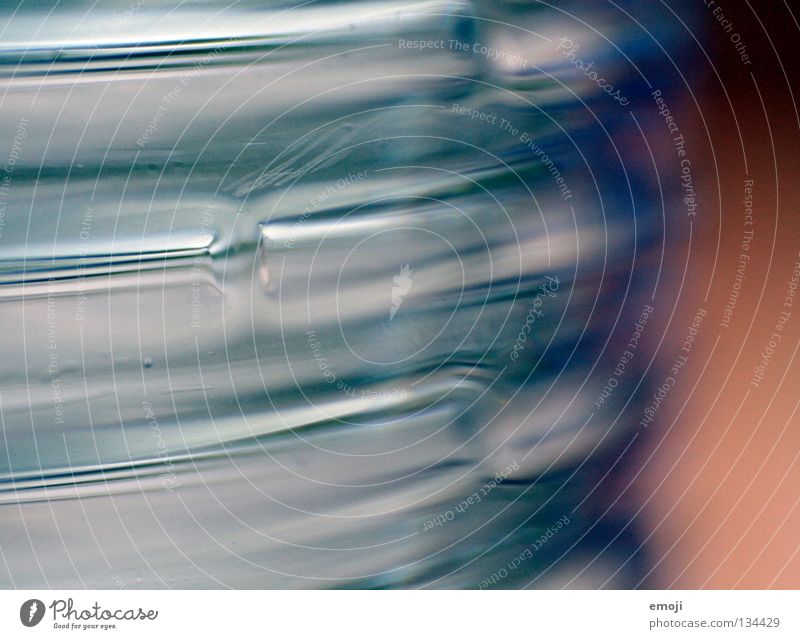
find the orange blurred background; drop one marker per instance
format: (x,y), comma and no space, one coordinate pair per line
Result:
(717,477)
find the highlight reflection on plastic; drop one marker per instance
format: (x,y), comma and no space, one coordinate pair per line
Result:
(290,299)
